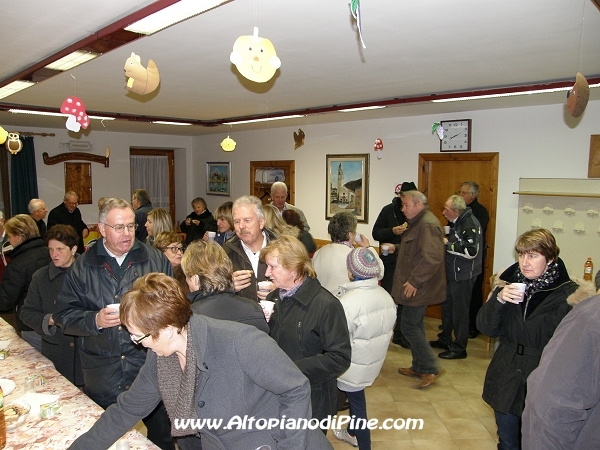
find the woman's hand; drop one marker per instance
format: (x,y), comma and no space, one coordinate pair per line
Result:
(205,237)
(262,293)
(511,294)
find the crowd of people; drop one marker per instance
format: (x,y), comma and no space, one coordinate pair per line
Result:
(243,315)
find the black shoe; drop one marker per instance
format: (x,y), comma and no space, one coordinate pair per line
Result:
(401,341)
(345,406)
(473,334)
(438,344)
(453,355)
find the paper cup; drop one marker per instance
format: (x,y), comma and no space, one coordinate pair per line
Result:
(447,230)
(211,235)
(267,307)
(521,287)
(115,306)
(264,286)
(358,238)
(385,250)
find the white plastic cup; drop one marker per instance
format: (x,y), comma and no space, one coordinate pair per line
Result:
(267,307)
(211,235)
(385,250)
(115,306)
(447,230)
(358,238)
(264,286)
(122,444)
(521,288)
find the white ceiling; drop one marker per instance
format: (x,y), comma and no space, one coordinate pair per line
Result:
(414,48)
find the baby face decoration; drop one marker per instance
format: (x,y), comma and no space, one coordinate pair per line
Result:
(255,57)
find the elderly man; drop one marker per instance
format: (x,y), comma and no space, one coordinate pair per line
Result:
(68,213)
(469,191)
(463,265)
(279,195)
(37,211)
(388,230)
(99,278)
(419,281)
(244,248)
(140,200)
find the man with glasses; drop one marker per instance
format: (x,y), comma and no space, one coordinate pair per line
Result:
(67,213)
(110,357)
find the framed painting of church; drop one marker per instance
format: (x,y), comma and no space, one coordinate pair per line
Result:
(348,185)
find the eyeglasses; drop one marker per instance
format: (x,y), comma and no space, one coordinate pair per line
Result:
(131,227)
(73,203)
(175,249)
(136,339)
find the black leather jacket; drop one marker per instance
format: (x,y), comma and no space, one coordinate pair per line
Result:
(109,359)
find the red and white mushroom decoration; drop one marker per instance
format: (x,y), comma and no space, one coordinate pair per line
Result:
(378,147)
(77,117)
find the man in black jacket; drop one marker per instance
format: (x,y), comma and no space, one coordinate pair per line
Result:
(99,278)
(68,213)
(469,191)
(463,265)
(142,205)
(388,229)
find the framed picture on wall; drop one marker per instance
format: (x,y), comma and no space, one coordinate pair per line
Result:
(348,186)
(218,176)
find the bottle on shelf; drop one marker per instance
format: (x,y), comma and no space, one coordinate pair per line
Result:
(588,270)
(2,421)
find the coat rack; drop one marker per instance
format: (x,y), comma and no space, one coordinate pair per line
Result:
(76,156)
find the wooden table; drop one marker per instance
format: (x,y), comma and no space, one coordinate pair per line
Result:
(78,413)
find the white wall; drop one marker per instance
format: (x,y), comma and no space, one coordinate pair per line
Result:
(110,181)
(532,142)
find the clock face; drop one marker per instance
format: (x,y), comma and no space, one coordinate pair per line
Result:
(457,136)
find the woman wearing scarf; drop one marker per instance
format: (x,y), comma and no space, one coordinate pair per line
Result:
(525,322)
(203,368)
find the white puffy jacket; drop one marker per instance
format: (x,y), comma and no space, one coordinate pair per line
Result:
(371,313)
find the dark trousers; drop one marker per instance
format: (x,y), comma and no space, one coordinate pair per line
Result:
(509,431)
(397,327)
(476,301)
(455,315)
(413,328)
(358,409)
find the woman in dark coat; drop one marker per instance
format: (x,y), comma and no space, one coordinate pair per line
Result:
(209,275)
(29,254)
(308,323)
(525,322)
(41,301)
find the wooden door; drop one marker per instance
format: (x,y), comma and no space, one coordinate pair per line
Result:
(440,176)
(263,190)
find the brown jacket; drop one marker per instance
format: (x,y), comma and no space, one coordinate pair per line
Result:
(421,262)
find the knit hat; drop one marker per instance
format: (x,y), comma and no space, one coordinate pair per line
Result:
(362,263)
(406,186)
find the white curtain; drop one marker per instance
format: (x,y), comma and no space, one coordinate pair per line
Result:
(151,173)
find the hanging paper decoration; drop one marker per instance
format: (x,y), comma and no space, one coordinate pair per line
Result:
(577,98)
(13,144)
(228,144)
(3,135)
(439,129)
(355,9)
(255,57)
(77,117)
(298,138)
(378,147)
(141,80)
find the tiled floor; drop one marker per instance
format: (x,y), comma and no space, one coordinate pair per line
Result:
(454,415)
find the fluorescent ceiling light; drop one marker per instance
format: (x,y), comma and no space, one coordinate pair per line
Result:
(235,122)
(364,108)
(46,113)
(508,94)
(14,87)
(162,122)
(72,60)
(173,14)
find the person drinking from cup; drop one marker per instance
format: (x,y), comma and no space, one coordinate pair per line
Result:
(526,321)
(244,249)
